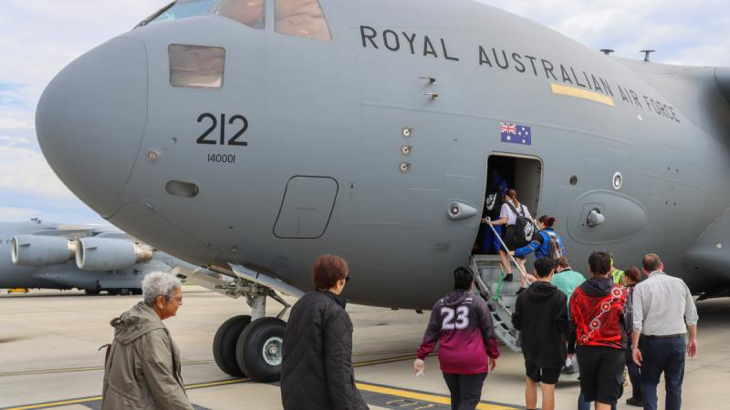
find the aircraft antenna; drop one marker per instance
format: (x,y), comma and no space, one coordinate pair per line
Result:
(607,51)
(646,54)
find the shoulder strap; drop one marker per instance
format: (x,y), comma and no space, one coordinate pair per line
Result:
(512,207)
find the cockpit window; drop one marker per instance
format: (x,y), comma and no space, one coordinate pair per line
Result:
(182,9)
(248,12)
(196,66)
(301,18)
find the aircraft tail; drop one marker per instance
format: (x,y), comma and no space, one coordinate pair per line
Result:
(722,77)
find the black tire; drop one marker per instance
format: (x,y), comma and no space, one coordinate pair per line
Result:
(224,345)
(112,292)
(250,349)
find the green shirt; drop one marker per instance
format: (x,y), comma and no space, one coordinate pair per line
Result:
(567,281)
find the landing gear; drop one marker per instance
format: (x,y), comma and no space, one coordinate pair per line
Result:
(259,349)
(246,345)
(224,345)
(252,345)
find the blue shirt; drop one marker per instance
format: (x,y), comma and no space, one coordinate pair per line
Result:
(540,245)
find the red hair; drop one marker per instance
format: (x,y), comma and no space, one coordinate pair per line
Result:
(547,220)
(328,269)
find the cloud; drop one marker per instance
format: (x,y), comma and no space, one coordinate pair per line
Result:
(8,213)
(678,29)
(12,140)
(23,169)
(38,38)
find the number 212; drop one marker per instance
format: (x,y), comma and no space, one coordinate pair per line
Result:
(222,141)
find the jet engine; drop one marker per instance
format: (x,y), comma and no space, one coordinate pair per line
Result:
(41,250)
(109,254)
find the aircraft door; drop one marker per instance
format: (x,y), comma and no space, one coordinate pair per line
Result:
(306,209)
(509,171)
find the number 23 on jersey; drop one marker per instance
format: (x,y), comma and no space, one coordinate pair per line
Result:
(458,319)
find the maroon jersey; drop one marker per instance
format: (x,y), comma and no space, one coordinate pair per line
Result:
(461,325)
(598,307)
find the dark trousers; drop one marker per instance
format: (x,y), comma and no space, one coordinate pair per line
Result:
(490,244)
(584,405)
(634,375)
(466,390)
(662,355)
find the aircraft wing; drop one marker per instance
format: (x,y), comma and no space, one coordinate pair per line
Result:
(82,231)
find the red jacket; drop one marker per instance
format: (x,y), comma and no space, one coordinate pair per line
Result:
(597,307)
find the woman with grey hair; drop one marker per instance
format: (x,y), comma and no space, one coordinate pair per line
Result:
(142,369)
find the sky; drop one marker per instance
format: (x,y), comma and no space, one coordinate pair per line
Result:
(40,37)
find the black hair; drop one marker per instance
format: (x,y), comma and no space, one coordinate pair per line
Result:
(463,278)
(600,263)
(543,267)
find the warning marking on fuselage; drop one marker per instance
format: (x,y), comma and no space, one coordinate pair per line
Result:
(575,92)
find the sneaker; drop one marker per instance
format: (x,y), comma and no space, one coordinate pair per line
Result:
(568,370)
(508,278)
(633,401)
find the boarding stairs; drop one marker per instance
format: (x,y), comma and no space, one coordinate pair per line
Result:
(500,296)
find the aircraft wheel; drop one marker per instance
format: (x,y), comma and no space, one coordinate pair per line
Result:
(224,344)
(259,349)
(112,292)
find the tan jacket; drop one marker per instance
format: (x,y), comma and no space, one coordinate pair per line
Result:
(143,369)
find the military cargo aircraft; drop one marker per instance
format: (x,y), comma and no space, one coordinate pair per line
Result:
(252,136)
(48,255)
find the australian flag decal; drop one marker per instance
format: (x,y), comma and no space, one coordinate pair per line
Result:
(515,133)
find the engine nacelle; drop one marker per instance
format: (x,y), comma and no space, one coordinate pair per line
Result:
(109,254)
(41,250)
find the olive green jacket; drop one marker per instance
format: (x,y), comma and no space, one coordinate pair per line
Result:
(143,367)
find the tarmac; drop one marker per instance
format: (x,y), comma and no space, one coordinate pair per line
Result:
(49,356)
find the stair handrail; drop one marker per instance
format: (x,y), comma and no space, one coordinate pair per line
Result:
(506,249)
(483,288)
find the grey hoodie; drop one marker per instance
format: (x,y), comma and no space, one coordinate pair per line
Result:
(143,368)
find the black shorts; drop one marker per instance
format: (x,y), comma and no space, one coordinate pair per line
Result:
(601,373)
(509,238)
(539,374)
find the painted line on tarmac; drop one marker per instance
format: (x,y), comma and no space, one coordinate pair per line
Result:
(86,400)
(392,397)
(82,369)
(190,363)
(83,400)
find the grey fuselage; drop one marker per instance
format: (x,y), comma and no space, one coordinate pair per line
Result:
(322,171)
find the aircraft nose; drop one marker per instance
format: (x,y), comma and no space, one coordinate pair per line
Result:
(91,119)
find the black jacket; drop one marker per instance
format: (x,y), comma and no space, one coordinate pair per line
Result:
(316,372)
(541,316)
